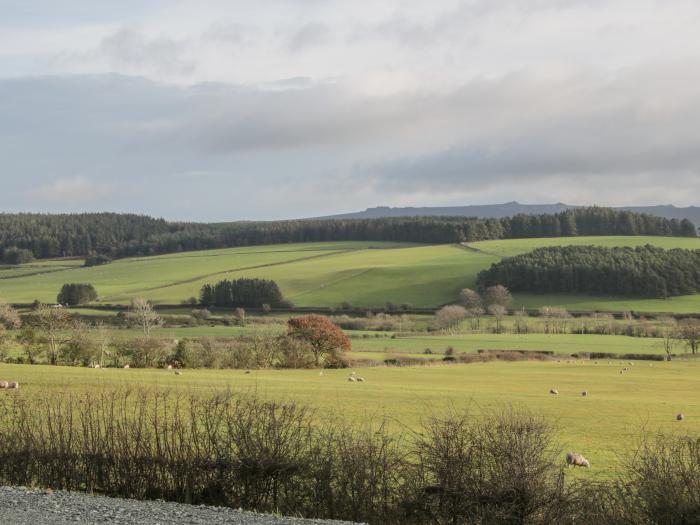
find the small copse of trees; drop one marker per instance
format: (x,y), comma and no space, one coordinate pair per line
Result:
(73,294)
(97,259)
(253,293)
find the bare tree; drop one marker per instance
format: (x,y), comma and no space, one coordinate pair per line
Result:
(53,321)
(474,315)
(239,314)
(689,331)
(449,317)
(521,321)
(669,335)
(470,299)
(497,295)
(102,340)
(142,315)
(498,311)
(9,318)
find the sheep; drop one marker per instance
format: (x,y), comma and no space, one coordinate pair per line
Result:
(584,393)
(352,379)
(554,391)
(680,417)
(360,379)
(97,365)
(577,460)
(170,367)
(126,366)
(178,373)
(320,373)
(13,384)
(3,384)
(247,371)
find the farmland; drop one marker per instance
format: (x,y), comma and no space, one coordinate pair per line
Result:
(328,274)
(603,424)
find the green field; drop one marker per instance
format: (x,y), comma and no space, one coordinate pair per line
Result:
(558,343)
(327,274)
(601,426)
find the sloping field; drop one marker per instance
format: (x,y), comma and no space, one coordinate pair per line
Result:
(601,425)
(314,274)
(327,274)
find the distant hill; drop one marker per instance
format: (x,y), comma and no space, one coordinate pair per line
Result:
(490,211)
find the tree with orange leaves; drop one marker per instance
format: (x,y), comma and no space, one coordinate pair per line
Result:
(320,333)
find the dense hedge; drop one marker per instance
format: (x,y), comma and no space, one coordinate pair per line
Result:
(119,235)
(645,271)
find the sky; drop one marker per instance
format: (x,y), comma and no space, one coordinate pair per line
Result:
(219,110)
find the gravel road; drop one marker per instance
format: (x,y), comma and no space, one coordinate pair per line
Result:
(22,506)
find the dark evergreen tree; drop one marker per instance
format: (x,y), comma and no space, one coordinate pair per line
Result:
(645,271)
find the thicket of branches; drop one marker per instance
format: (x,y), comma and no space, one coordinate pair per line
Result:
(118,235)
(645,271)
(500,467)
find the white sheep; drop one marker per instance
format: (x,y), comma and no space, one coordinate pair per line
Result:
(126,366)
(13,384)
(360,379)
(577,460)
(3,384)
(352,379)
(554,391)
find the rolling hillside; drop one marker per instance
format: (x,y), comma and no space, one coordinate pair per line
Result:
(325,274)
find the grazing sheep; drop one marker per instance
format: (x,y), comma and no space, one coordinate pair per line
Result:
(3,384)
(680,417)
(247,371)
(584,393)
(13,384)
(98,366)
(577,460)
(170,367)
(554,391)
(352,379)
(360,379)
(178,373)
(126,366)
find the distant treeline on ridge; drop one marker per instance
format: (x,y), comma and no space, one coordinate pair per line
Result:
(644,271)
(120,235)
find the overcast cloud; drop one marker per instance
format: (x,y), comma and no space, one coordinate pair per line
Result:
(222,110)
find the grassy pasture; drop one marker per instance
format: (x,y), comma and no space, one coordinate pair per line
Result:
(558,343)
(601,425)
(328,274)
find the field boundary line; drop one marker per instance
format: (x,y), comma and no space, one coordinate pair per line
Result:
(244,268)
(331,283)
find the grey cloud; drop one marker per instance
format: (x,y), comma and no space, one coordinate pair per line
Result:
(309,35)
(130,49)
(520,130)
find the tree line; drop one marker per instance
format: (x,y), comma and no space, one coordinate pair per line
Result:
(119,235)
(644,271)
